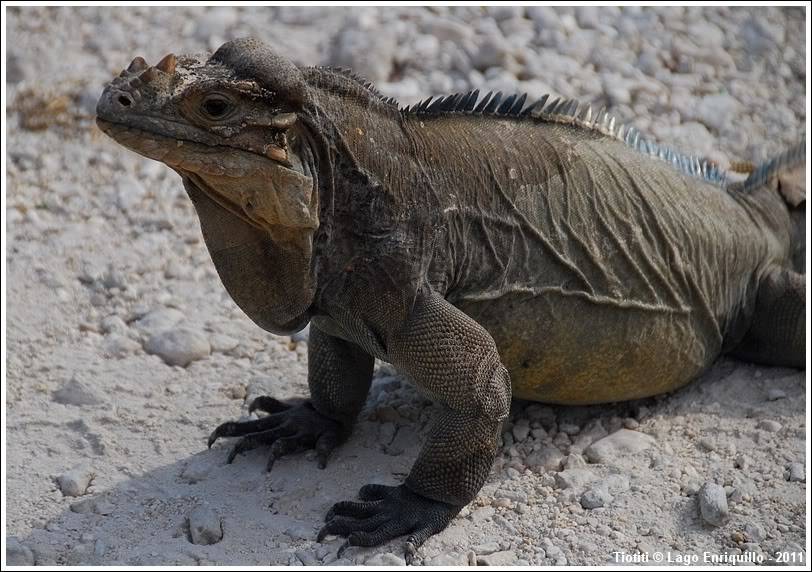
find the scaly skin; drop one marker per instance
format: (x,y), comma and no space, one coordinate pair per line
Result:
(483,254)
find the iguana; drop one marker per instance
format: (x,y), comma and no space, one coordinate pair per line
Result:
(484,245)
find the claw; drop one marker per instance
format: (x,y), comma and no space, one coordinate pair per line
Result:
(409,552)
(322,534)
(242,445)
(324,447)
(342,548)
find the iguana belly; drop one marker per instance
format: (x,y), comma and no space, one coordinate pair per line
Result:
(568,350)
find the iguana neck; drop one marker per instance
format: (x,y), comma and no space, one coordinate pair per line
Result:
(267,272)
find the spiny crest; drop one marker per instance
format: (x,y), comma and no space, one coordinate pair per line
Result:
(760,174)
(566,111)
(362,82)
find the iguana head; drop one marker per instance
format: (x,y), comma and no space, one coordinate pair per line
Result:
(230,125)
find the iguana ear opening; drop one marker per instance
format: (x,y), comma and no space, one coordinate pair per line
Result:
(254,60)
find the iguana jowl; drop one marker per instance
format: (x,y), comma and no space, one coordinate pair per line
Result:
(484,245)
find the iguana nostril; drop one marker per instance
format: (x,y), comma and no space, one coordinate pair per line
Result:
(125,100)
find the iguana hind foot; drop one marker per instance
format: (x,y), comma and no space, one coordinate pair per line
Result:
(386,512)
(777,335)
(288,429)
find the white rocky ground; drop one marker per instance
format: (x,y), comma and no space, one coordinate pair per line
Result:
(104,252)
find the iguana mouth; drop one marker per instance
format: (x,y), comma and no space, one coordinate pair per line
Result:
(157,146)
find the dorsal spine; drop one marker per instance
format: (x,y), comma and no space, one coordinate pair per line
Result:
(569,112)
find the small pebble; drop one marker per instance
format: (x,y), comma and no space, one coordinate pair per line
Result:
(386,559)
(75,482)
(775,394)
(158,320)
(120,346)
(180,346)
(521,431)
(306,558)
(447,559)
(196,470)
(545,459)
(796,472)
(222,343)
(92,505)
(17,553)
(754,532)
(769,425)
(205,526)
(569,428)
(502,558)
(502,503)
(713,504)
(486,548)
(113,324)
(595,498)
(300,532)
(619,447)
(78,393)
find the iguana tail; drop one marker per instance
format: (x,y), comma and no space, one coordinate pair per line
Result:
(794,194)
(786,174)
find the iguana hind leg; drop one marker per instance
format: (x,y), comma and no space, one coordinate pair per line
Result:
(777,335)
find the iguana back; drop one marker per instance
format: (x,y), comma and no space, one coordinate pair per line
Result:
(562,241)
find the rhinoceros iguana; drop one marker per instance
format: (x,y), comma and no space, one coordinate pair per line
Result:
(486,246)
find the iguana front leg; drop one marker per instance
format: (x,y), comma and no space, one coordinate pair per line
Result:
(339,374)
(455,360)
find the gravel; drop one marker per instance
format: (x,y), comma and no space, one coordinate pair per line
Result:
(105,254)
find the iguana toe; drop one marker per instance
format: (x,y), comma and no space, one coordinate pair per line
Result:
(385,513)
(238,429)
(268,404)
(289,429)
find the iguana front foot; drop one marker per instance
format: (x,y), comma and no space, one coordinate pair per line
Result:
(288,429)
(385,513)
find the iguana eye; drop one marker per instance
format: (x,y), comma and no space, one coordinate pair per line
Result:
(216,106)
